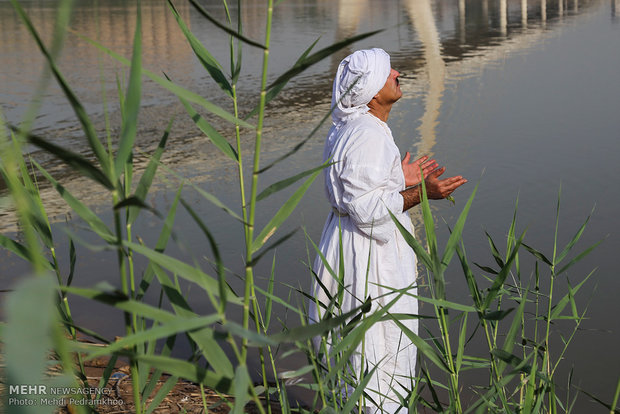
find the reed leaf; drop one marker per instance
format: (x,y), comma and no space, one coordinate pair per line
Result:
(64,10)
(93,221)
(174,88)
(354,332)
(80,112)
(146,180)
(423,347)
(15,247)
(72,260)
(501,277)
(419,250)
(272,246)
(280,185)
(25,350)
(269,296)
(611,407)
(206,195)
(359,390)
(272,93)
(174,326)
(28,336)
(437,302)
(316,57)
(241,384)
(486,269)
(578,257)
(297,373)
(72,159)
(204,338)
(486,399)
(474,291)
(566,299)
(135,202)
(187,272)
(204,56)
(231,32)
(106,294)
(457,231)
(324,261)
(303,333)
(511,230)
(494,251)
(497,315)
(284,211)
(39,218)
(189,371)
(132,100)
(221,276)
(162,393)
(235,65)
(519,365)
(431,237)
(509,341)
(460,351)
(162,241)
(215,137)
(438,406)
(537,254)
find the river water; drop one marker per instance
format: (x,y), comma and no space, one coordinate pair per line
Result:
(521,97)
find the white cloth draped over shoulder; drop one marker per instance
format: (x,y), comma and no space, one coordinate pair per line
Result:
(362,185)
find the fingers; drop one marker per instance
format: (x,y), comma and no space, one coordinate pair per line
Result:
(425,161)
(421,160)
(437,172)
(448,185)
(407,158)
(438,189)
(454,182)
(429,166)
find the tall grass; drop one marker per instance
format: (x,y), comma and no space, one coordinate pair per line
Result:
(522,357)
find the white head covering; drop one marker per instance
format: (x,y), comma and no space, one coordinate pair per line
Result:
(371,69)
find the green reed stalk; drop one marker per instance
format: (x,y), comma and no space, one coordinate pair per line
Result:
(616,397)
(249,282)
(454,375)
(128,317)
(9,155)
(247,235)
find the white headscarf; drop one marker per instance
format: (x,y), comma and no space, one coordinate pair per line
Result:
(371,69)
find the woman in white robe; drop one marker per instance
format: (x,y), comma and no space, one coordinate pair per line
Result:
(365,182)
(362,186)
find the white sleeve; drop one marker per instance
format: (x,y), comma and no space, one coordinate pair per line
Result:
(365,177)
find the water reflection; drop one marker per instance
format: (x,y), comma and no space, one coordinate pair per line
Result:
(442,43)
(423,21)
(454,51)
(112,23)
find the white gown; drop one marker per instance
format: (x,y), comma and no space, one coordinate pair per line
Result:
(363,184)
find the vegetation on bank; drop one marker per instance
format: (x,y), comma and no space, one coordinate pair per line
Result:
(512,309)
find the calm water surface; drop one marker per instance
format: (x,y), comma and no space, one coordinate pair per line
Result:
(521,97)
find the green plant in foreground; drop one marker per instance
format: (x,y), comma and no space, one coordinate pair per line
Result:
(114,170)
(519,360)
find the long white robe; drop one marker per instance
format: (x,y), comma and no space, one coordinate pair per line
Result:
(362,185)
